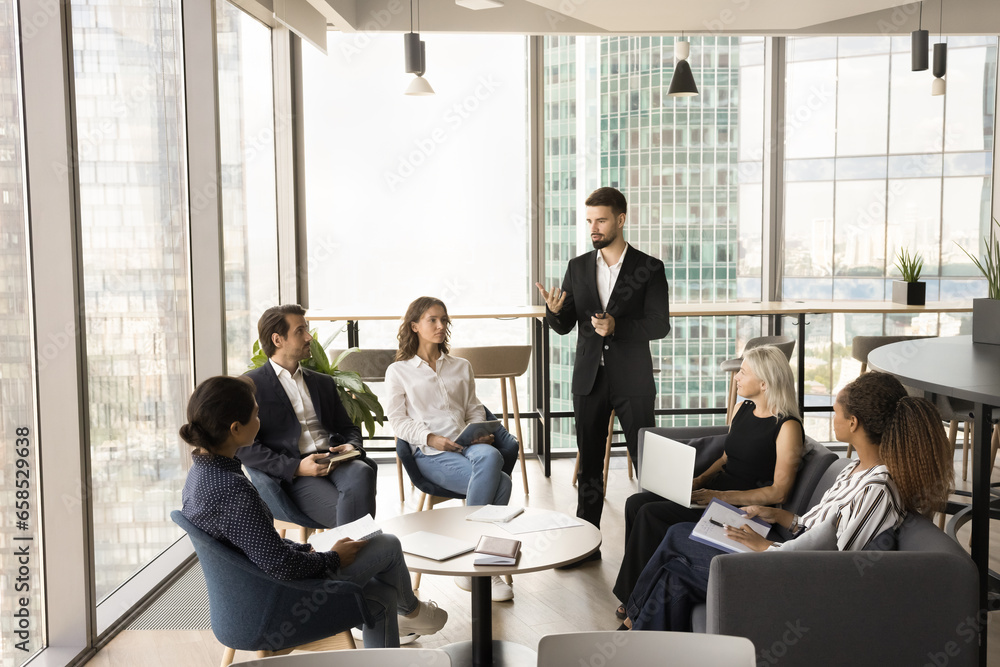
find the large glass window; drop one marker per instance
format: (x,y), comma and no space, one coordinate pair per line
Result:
(21,613)
(874,163)
(129,111)
(246,113)
(413,196)
(690,169)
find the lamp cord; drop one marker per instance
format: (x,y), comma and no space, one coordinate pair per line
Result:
(941,21)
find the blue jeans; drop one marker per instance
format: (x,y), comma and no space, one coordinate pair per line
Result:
(381,571)
(477,473)
(506,444)
(673,582)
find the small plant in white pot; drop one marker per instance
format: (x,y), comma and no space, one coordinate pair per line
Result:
(910,290)
(986,312)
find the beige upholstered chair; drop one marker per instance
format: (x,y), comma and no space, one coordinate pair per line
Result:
(371,365)
(505,362)
(732,366)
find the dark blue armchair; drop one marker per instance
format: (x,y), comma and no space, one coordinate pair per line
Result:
(252,611)
(281,505)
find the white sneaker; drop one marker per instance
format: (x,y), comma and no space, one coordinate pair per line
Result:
(501,590)
(403,639)
(429,619)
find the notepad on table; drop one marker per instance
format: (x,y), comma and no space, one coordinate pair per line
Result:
(497,551)
(711,528)
(434,546)
(494,513)
(364,528)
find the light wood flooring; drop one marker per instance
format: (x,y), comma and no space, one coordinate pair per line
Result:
(544,603)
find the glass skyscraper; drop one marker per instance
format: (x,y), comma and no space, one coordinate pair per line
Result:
(684,171)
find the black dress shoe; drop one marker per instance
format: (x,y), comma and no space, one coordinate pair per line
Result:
(586,559)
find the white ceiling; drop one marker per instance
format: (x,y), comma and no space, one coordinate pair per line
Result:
(595,17)
(710,15)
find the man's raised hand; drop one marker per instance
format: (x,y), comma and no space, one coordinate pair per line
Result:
(554,299)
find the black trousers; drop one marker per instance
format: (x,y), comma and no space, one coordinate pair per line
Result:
(648,517)
(592,412)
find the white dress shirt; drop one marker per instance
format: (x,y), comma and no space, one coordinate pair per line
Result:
(607,276)
(423,401)
(313,437)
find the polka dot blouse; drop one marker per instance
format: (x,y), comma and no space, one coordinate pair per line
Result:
(219,499)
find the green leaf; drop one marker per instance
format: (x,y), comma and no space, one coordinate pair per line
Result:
(258,358)
(320,361)
(349,380)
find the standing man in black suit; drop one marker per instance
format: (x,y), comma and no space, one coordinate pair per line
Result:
(618,298)
(302,420)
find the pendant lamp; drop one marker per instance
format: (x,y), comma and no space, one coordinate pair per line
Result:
(682,84)
(416,62)
(940,60)
(918,45)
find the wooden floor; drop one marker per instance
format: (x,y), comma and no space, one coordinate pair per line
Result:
(544,602)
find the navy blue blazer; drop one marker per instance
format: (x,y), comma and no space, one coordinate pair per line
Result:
(640,304)
(276,447)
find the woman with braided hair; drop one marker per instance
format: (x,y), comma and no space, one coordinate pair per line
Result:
(904,465)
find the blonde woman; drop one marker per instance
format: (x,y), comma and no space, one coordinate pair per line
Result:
(758,466)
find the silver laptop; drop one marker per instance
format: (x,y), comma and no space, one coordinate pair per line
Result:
(667,468)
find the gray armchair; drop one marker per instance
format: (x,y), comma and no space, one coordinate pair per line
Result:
(914,606)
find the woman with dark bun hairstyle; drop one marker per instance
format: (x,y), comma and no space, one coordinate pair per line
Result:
(904,465)
(220,500)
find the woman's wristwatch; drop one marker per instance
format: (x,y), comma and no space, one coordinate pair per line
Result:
(796,524)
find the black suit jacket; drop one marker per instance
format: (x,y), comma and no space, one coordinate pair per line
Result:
(276,448)
(639,303)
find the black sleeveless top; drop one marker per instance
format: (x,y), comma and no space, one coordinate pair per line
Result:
(751,452)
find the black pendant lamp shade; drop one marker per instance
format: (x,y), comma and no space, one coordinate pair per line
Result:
(940,60)
(918,44)
(682,84)
(918,50)
(415,53)
(938,86)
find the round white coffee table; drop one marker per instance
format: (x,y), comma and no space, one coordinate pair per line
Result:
(539,551)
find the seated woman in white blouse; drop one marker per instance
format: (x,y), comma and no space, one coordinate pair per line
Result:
(431,399)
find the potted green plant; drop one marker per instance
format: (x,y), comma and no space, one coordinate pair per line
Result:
(986,312)
(361,403)
(910,290)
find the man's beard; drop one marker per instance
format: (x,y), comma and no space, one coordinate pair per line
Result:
(605,242)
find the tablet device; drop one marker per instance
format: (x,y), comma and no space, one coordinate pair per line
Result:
(477,430)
